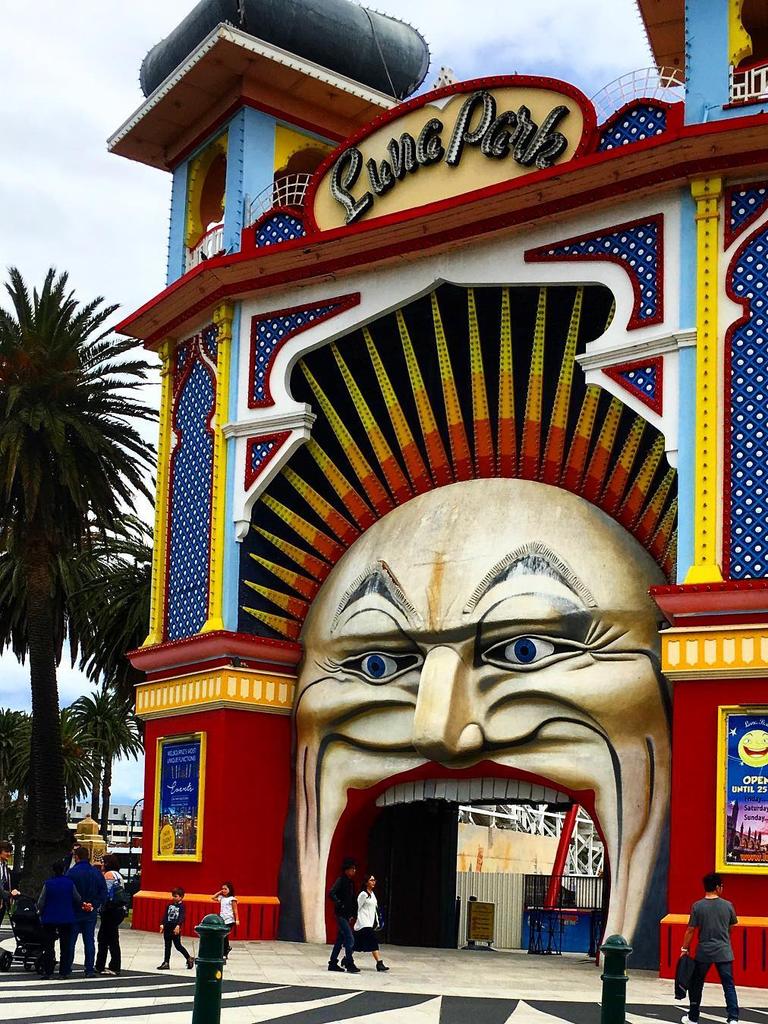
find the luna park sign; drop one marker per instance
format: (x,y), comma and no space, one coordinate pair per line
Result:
(449,143)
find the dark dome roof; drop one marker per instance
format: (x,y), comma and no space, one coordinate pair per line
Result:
(373,49)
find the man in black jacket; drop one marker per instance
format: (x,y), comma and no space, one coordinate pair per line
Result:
(342,895)
(8,879)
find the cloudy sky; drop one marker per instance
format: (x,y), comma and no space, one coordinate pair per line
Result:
(70,78)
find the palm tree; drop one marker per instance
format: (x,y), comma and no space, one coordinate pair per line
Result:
(13,731)
(109,729)
(15,744)
(70,462)
(109,610)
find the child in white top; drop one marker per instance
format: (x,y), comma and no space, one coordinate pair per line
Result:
(228,911)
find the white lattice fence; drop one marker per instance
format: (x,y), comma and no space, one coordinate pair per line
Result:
(506,892)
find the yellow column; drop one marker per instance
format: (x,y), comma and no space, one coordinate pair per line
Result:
(705,568)
(157,605)
(222,318)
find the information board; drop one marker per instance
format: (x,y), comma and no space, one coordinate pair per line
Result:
(743,790)
(480,921)
(179,790)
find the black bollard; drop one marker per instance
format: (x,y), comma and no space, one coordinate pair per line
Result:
(615,949)
(210,969)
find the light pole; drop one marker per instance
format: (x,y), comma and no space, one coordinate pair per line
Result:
(130,836)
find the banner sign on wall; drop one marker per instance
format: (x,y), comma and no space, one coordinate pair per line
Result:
(179,790)
(742,839)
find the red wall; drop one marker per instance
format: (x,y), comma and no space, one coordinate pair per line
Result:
(694,796)
(247,783)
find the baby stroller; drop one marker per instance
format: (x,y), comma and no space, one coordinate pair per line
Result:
(28,933)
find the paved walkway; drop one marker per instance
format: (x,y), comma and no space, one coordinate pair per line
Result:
(289,982)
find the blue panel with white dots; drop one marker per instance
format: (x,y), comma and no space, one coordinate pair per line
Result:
(259,453)
(282,227)
(268,335)
(642,121)
(190,506)
(211,341)
(749,415)
(745,205)
(643,380)
(636,246)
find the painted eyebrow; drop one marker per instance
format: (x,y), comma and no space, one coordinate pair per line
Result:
(536,560)
(380,580)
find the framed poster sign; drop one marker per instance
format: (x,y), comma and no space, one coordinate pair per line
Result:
(742,802)
(179,793)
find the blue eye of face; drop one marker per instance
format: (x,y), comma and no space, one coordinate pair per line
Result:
(523,651)
(377,667)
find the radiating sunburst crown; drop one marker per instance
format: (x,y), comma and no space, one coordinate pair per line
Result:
(460,384)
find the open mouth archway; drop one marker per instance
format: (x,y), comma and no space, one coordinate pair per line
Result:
(465,549)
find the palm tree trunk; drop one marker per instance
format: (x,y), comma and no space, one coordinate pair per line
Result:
(106,796)
(96,787)
(47,836)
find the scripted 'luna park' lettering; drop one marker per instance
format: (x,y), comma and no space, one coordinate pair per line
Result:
(511,134)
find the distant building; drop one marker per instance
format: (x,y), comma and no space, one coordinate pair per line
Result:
(118,825)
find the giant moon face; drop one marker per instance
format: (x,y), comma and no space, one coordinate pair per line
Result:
(503,622)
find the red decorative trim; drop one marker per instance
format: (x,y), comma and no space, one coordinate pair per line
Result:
(196,352)
(340,303)
(675,117)
(218,643)
(540,255)
(729,235)
(279,439)
(727,603)
(657,362)
(586,143)
(616,183)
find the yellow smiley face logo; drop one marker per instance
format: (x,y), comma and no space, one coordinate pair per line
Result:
(753,748)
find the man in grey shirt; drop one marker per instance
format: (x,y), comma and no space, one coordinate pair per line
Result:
(713,917)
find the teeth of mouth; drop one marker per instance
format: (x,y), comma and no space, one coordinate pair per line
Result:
(467,790)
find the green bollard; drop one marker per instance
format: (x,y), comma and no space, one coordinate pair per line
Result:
(615,949)
(210,964)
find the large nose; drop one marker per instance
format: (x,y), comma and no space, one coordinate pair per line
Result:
(446,724)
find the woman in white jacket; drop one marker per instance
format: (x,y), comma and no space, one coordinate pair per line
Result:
(367,922)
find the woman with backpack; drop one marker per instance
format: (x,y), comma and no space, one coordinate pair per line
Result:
(112,914)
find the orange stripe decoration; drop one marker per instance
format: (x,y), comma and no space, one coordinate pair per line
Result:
(286,627)
(601,456)
(350,499)
(558,424)
(660,541)
(314,566)
(293,605)
(371,484)
(530,449)
(577,456)
(669,563)
(460,453)
(485,461)
(506,444)
(315,538)
(334,520)
(617,483)
(390,467)
(646,526)
(306,587)
(433,442)
(414,464)
(638,493)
